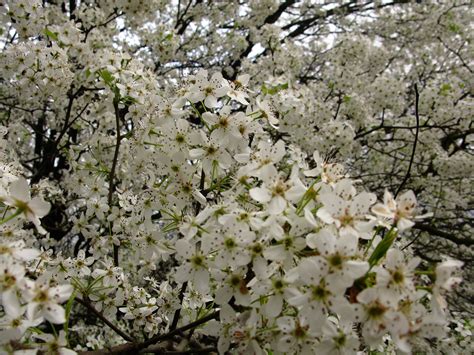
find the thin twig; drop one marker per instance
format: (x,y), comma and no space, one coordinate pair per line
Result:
(417,116)
(86,303)
(133,348)
(112,170)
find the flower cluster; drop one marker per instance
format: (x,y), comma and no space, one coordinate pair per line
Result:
(164,190)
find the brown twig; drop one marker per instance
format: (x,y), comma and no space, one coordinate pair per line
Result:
(86,303)
(417,116)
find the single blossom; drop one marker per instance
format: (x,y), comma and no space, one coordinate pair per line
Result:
(33,209)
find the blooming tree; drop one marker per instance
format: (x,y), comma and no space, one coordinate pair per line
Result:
(261,177)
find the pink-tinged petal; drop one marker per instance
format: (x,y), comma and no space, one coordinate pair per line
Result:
(20,190)
(54,313)
(39,207)
(260,194)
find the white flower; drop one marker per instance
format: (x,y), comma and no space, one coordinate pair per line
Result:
(349,215)
(445,281)
(277,193)
(400,211)
(12,275)
(43,301)
(55,344)
(237,89)
(207,90)
(338,253)
(340,341)
(267,112)
(394,279)
(33,209)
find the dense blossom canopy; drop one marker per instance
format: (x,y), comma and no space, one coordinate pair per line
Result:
(249,177)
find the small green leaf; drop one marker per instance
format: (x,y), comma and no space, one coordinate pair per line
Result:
(454,28)
(346,99)
(382,248)
(272,90)
(106,76)
(50,34)
(445,88)
(69,304)
(128,100)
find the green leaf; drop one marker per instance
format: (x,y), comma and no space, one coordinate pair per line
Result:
(69,304)
(382,248)
(106,76)
(272,90)
(128,100)
(454,28)
(50,34)
(445,88)
(346,99)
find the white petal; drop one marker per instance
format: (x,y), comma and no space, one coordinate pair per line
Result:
(260,194)
(201,281)
(211,101)
(10,303)
(277,205)
(404,224)
(54,313)
(39,207)
(274,305)
(20,190)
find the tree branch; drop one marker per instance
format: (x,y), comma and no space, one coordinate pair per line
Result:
(417,116)
(133,348)
(86,303)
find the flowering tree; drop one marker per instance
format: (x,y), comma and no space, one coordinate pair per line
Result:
(219,176)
